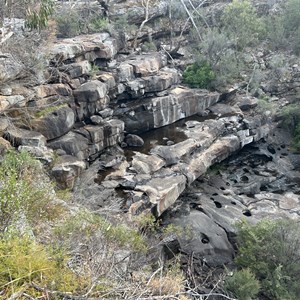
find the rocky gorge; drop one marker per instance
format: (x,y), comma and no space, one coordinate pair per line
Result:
(121,131)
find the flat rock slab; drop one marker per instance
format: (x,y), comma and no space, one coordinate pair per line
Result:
(18,136)
(163,191)
(91,46)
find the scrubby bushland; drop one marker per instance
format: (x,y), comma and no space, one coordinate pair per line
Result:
(241,24)
(75,20)
(222,46)
(269,251)
(50,247)
(30,268)
(26,193)
(226,45)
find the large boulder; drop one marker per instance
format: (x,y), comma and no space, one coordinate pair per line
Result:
(4,146)
(18,136)
(161,194)
(89,47)
(56,123)
(146,164)
(91,91)
(205,239)
(66,169)
(91,97)
(135,10)
(73,144)
(89,141)
(133,140)
(76,70)
(10,101)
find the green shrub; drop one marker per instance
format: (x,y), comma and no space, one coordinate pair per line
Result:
(283,29)
(37,18)
(199,75)
(35,12)
(270,250)
(148,46)
(291,16)
(242,284)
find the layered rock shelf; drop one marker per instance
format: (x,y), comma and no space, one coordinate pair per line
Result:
(81,113)
(162,175)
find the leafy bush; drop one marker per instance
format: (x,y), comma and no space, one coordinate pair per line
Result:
(199,75)
(270,250)
(283,29)
(98,24)
(291,16)
(36,13)
(37,18)
(148,46)
(242,284)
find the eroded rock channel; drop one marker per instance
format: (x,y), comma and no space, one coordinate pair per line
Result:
(261,181)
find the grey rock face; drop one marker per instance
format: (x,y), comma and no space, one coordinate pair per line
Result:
(76,70)
(164,174)
(90,98)
(135,10)
(89,141)
(160,111)
(42,153)
(10,69)
(146,164)
(91,91)
(66,169)
(208,240)
(11,101)
(56,123)
(133,140)
(24,137)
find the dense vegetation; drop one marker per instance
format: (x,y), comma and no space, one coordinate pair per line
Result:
(269,258)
